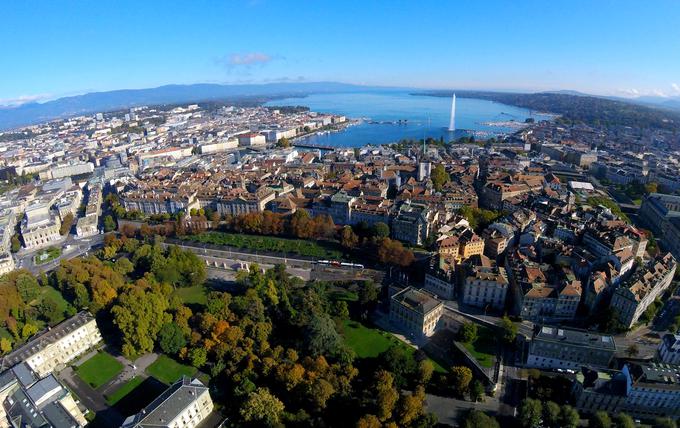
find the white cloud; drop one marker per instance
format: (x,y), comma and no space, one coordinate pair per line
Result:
(23,99)
(676,88)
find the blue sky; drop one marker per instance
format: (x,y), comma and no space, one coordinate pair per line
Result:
(53,48)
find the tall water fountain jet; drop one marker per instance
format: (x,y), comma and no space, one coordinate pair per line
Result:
(452,121)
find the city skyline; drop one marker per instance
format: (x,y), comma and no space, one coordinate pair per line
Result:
(605,48)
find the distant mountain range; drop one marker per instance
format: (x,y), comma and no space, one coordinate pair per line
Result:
(31,113)
(561,102)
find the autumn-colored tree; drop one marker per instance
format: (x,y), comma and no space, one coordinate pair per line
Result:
(263,407)
(410,407)
(299,224)
(369,421)
(385,394)
(393,252)
(461,377)
(348,238)
(425,370)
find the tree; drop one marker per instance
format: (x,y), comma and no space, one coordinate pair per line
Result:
(381,230)
(385,394)
(425,370)
(49,311)
(410,407)
(664,423)
(348,238)
(369,421)
(5,345)
(27,286)
(283,142)
(551,414)
(479,419)
(476,391)
(198,357)
(509,330)
(109,224)
(569,417)
(461,377)
(622,420)
(15,244)
(600,419)
(393,252)
(400,363)
(171,338)
(262,406)
(139,316)
(530,411)
(439,177)
(633,350)
(123,266)
(66,224)
(468,332)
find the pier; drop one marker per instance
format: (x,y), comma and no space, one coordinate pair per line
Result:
(304,145)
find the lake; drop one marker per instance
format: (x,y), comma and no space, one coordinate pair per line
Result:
(424,117)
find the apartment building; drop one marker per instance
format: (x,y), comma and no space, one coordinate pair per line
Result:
(415,311)
(26,400)
(58,346)
(661,214)
(185,404)
(411,224)
(485,287)
(565,348)
(669,349)
(635,295)
(441,283)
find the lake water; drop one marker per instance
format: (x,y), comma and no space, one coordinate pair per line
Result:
(425,117)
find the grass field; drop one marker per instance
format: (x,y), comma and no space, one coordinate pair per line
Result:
(168,370)
(370,342)
(269,243)
(484,348)
(124,390)
(192,295)
(47,255)
(99,369)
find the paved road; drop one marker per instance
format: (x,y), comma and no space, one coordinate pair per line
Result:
(71,247)
(450,410)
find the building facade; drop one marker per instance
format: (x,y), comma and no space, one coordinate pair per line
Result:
(563,348)
(485,287)
(58,346)
(185,404)
(416,312)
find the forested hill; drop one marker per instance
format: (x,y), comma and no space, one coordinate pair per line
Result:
(595,111)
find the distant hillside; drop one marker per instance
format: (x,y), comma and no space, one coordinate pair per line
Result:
(590,110)
(26,114)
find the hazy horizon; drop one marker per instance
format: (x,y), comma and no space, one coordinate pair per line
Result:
(610,48)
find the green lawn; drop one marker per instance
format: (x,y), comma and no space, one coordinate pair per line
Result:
(484,348)
(124,390)
(192,295)
(47,255)
(99,369)
(370,342)
(345,295)
(168,370)
(302,247)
